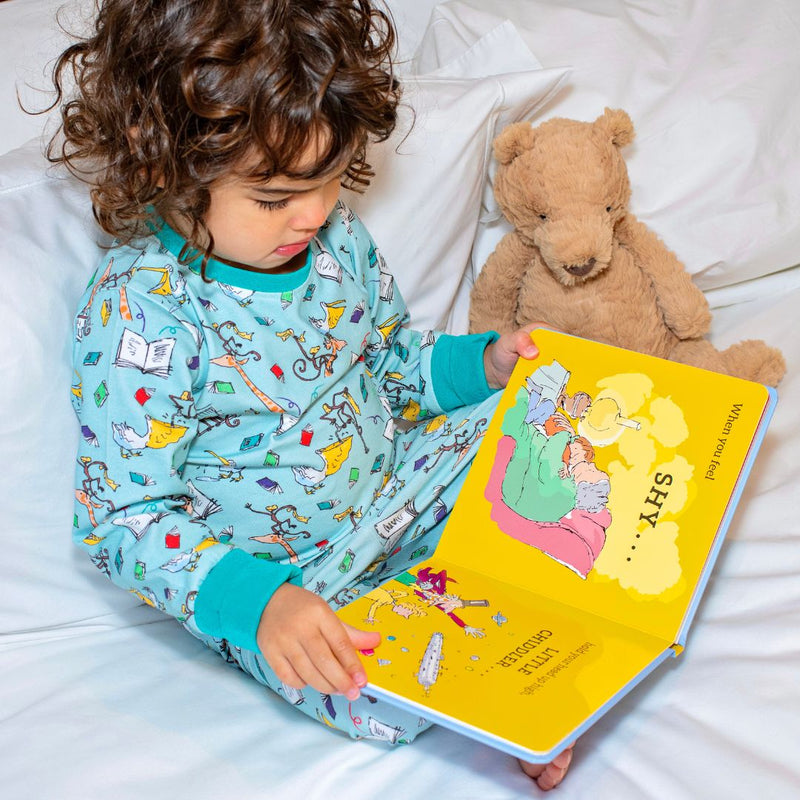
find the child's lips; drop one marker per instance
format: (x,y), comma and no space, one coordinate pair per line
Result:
(292,249)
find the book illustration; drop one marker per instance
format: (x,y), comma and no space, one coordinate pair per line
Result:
(383,731)
(431,587)
(198,505)
(138,524)
(392,527)
(428,659)
(603,423)
(551,494)
(429,665)
(151,358)
(559,457)
(383,597)
(426,593)
(328,267)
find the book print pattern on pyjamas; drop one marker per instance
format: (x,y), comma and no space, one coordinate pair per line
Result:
(259,414)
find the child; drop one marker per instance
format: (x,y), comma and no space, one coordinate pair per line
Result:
(242,354)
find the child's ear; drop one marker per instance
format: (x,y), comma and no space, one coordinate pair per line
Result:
(513,141)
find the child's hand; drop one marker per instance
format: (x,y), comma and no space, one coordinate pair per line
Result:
(500,357)
(305,643)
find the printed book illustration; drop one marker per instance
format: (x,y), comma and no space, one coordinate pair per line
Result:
(151,358)
(573,561)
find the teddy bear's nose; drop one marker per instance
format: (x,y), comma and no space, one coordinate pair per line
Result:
(580,270)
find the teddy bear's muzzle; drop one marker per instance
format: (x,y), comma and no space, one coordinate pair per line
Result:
(577,248)
(581,270)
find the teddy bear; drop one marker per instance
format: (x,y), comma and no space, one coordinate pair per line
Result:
(579,261)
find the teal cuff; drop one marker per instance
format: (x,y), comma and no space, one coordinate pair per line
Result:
(235,592)
(457,372)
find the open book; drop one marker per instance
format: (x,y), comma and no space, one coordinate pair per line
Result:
(152,358)
(574,559)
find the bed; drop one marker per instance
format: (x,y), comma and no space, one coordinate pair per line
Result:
(711,88)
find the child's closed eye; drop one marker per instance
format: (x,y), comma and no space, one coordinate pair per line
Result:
(273,205)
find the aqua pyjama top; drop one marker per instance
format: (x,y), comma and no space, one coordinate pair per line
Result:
(252,406)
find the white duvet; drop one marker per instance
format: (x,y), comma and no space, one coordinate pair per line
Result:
(102,697)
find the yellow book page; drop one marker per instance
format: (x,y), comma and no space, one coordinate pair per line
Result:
(603,478)
(516,666)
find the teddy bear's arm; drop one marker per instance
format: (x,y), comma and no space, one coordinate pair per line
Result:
(495,295)
(683,306)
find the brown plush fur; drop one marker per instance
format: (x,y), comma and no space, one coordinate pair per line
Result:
(580,262)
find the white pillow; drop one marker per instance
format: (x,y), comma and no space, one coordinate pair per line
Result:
(48,248)
(424,204)
(715,167)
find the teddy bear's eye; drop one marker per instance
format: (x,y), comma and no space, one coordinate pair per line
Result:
(608,208)
(543,216)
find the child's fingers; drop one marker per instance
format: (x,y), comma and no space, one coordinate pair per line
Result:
(525,345)
(327,677)
(362,640)
(335,663)
(286,673)
(348,641)
(312,664)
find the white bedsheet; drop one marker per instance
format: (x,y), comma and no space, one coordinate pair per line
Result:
(103,697)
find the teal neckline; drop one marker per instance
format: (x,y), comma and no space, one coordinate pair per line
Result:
(256,280)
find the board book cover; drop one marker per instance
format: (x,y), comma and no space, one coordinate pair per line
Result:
(574,558)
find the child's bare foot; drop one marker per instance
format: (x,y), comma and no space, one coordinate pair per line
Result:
(548,776)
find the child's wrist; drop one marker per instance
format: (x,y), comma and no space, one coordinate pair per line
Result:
(488,367)
(232,598)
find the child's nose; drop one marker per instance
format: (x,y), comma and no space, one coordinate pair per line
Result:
(312,212)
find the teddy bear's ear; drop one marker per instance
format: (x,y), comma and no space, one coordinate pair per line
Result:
(513,141)
(617,125)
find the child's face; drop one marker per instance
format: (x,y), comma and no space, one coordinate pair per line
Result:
(264,226)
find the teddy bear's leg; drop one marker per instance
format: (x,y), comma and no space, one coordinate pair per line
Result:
(756,361)
(751,359)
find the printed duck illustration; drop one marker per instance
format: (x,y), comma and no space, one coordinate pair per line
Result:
(158,435)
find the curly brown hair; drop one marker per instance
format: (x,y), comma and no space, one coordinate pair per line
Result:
(173,95)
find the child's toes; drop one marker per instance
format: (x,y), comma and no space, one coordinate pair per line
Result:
(548,776)
(551,777)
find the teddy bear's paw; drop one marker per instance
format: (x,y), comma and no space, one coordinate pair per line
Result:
(689,321)
(757,361)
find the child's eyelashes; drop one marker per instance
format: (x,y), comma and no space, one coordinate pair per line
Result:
(273,205)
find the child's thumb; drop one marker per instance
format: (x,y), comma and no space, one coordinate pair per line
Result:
(362,640)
